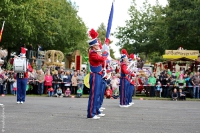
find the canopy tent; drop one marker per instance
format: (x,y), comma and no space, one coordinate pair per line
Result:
(180,52)
(183,62)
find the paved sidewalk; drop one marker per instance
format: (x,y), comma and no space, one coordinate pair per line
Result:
(68,115)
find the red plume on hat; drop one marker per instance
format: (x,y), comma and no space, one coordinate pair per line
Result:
(124,53)
(93,34)
(131,56)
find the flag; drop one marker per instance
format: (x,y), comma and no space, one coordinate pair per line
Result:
(1,31)
(109,24)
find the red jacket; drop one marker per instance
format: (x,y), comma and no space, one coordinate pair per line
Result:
(95,59)
(124,68)
(48,80)
(108,92)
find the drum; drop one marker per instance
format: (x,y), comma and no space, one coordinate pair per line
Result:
(86,80)
(20,65)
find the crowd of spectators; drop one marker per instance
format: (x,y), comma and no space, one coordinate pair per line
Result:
(67,83)
(184,82)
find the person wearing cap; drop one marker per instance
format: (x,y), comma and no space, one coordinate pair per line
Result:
(95,60)
(103,79)
(124,83)
(131,85)
(22,81)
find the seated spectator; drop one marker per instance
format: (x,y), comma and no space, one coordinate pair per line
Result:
(175,95)
(79,92)
(50,91)
(182,95)
(158,89)
(59,92)
(67,92)
(108,93)
(115,93)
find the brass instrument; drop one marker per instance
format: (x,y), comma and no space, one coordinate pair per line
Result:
(132,66)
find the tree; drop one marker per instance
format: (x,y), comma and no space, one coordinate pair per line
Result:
(183,25)
(143,32)
(54,24)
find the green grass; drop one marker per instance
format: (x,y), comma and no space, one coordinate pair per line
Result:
(137,97)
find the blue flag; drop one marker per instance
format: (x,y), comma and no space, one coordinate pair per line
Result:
(110,22)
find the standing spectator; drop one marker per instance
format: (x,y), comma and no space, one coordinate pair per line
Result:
(15,88)
(48,80)
(30,51)
(1,83)
(39,47)
(158,89)
(5,84)
(62,74)
(56,80)
(74,83)
(32,81)
(40,80)
(11,82)
(114,82)
(170,84)
(80,80)
(163,80)
(152,82)
(147,87)
(196,83)
(67,80)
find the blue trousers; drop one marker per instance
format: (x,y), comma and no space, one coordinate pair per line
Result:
(131,89)
(123,91)
(21,89)
(1,89)
(11,88)
(196,91)
(103,88)
(94,97)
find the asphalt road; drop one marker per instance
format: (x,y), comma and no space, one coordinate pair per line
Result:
(68,115)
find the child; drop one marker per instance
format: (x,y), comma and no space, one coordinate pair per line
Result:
(67,92)
(108,93)
(158,89)
(79,93)
(50,91)
(182,95)
(15,88)
(174,95)
(59,92)
(115,93)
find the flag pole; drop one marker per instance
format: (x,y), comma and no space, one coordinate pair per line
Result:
(2,31)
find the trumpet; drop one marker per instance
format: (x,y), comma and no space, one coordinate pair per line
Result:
(132,66)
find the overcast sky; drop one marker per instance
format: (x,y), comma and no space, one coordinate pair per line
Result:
(94,12)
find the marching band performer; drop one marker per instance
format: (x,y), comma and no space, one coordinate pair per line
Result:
(103,84)
(124,83)
(131,86)
(22,79)
(95,60)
